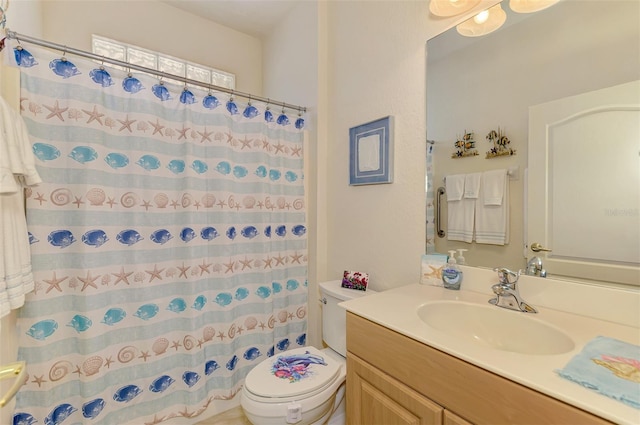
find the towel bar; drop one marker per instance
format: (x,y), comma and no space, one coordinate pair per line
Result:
(17,370)
(512,172)
(439,231)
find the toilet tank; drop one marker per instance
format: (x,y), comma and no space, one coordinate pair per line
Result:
(334,317)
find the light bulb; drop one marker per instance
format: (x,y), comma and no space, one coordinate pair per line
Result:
(451,7)
(528,6)
(483,23)
(481,17)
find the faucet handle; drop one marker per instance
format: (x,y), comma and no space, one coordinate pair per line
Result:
(505,275)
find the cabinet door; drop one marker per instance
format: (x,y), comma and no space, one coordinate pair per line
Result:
(453,419)
(375,398)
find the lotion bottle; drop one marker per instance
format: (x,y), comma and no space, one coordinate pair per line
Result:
(460,259)
(451,275)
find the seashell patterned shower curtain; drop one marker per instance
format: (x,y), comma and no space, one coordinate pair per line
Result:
(168,244)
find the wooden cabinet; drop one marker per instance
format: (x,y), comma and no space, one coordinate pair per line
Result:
(453,419)
(376,398)
(393,379)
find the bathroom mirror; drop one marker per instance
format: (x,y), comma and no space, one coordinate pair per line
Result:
(480,84)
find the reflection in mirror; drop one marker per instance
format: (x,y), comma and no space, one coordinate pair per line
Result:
(591,229)
(480,84)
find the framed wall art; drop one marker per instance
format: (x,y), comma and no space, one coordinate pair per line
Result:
(371,152)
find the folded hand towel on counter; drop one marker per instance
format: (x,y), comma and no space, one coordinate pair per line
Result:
(432,266)
(492,220)
(608,366)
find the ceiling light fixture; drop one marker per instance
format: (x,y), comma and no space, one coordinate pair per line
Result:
(483,23)
(451,7)
(529,6)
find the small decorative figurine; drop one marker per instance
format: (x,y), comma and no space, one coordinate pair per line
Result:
(465,146)
(500,145)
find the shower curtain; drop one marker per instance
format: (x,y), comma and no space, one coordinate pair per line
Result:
(168,244)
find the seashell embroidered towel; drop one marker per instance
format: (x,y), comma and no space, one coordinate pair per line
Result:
(609,366)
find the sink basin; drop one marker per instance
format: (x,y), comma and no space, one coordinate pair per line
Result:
(495,327)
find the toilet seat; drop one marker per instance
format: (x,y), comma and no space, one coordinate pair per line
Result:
(292,375)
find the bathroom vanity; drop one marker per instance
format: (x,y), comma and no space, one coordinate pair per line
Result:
(394,379)
(407,366)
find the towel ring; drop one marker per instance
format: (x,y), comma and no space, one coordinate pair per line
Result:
(16,370)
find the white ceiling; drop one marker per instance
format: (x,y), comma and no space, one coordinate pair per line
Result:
(253,17)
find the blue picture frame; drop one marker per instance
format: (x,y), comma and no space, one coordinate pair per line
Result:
(371,152)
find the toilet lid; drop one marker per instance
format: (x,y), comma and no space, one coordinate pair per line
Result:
(301,371)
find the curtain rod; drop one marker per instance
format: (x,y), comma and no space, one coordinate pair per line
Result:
(83,53)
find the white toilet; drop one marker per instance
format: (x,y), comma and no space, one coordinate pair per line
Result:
(313,387)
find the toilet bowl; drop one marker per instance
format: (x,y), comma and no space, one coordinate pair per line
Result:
(305,385)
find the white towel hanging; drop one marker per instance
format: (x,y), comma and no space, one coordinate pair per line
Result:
(493,184)
(492,220)
(459,210)
(472,185)
(18,170)
(455,187)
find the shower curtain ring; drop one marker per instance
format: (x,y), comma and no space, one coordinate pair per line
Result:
(64,53)
(268,102)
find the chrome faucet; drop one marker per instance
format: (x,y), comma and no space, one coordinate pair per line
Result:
(534,267)
(507,294)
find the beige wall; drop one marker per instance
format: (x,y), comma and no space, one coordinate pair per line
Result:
(376,68)
(157,26)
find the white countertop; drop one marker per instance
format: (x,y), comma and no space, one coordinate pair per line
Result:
(397,309)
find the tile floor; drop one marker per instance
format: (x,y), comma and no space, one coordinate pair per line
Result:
(230,417)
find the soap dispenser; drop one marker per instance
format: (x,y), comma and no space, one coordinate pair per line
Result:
(460,258)
(451,275)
